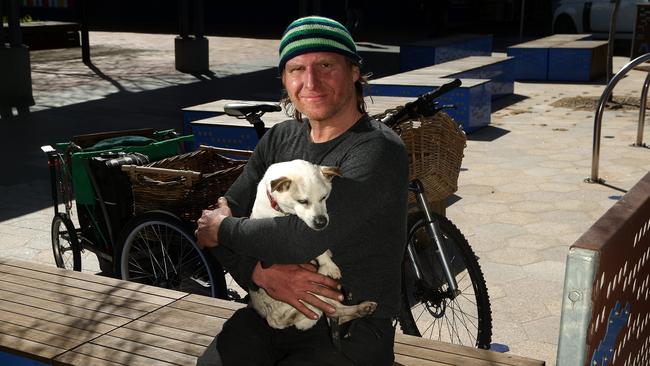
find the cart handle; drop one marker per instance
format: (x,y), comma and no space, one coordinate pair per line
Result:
(189,175)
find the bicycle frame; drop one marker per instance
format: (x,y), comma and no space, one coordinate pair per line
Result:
(433,229)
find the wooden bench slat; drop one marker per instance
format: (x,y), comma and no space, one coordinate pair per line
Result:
(504,358)
(153,353)
(31,349)
(59,340)
(185,320)
(158,341)
(80,293)
(450,358)
(202,309)
(107,282)
(63,308)
(67,299)
(55,317)
(214,302)
(172,333)
(101,288)
(403,360)
(46,326)
(93,354)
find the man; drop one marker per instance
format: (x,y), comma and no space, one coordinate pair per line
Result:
(320,70)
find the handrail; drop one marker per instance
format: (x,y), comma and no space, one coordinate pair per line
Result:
(595,156)
(642,102)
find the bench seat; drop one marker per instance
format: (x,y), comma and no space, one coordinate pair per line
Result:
(428,52)
(52,316)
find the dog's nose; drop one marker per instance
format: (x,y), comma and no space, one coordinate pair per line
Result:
(320,222)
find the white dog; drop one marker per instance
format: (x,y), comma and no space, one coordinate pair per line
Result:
(300,188)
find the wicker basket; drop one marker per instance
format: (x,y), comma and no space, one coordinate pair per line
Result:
(435,146)
(184,184)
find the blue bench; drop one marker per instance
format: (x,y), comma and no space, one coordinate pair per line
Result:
(567,57)
(472,99)
(225,131)
(429,52)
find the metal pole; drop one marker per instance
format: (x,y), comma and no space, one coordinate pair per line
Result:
(15,35)
(85,40)
(642,103)
(595,152)
(612,36)
(521,20)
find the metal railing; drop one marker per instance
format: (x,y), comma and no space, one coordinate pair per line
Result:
(595,156)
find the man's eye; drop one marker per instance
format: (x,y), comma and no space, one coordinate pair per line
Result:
(303,202)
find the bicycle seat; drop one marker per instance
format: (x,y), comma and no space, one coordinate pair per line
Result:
(244,109)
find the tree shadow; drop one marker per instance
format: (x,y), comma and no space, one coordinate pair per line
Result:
(159,109)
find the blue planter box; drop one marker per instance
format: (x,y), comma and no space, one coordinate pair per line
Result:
(431,52)
(499,73)
(577,61)
(529,63)
(472,100)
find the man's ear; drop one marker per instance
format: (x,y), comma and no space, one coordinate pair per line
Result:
(329,172)
(281,184)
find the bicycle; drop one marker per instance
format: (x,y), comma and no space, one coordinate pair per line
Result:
(444,294)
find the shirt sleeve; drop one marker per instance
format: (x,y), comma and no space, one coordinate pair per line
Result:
(374,175)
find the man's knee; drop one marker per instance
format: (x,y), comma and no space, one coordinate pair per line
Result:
(211,356)
(245,340)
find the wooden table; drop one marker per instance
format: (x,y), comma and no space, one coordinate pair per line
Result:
(50,316)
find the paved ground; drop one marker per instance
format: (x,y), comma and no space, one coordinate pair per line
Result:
(522,200)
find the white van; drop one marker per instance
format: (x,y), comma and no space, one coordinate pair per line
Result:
(573,16)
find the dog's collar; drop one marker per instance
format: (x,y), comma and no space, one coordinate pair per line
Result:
(274,203)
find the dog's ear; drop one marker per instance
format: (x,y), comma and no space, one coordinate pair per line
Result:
(281,184)
(330,172)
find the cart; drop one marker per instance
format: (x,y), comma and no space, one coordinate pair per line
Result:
(130,210)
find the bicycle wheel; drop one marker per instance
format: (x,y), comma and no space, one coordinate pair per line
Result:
(159,250)
(65,244)
(427,309)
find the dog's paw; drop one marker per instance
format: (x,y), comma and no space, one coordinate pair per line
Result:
(367,308)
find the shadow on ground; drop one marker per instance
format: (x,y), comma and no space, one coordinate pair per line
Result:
(159,109)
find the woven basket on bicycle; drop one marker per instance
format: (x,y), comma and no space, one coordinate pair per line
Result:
(435,146)
(183,184)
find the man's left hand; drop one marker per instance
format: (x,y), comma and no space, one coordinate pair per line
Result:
(207,233)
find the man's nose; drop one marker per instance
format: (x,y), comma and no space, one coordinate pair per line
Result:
(311,78)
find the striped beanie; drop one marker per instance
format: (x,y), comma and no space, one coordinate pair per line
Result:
(316,34)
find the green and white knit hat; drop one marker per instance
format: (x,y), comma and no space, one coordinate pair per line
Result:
(316,34)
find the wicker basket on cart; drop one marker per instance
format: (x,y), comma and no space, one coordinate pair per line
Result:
(184,184)
(435,146)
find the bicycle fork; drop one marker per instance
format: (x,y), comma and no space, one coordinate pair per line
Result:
(433,229)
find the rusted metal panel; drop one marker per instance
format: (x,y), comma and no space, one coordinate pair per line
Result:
(618,331)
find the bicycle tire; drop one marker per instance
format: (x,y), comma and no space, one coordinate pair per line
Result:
(160,250)
(65,242)
(440,317)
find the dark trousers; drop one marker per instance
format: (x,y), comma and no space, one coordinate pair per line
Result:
(246,339)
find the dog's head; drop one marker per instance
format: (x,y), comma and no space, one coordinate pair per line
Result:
(302,190)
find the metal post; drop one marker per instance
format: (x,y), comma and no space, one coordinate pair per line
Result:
(642,106)
(521,20)
(612,36)
(15,35)
(598,118)
(199,19)
(85,40)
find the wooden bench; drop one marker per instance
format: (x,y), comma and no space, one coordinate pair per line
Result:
(50,316)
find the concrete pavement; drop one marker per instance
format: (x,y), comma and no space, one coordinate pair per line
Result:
(521,200)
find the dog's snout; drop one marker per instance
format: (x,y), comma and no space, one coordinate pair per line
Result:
(320,222)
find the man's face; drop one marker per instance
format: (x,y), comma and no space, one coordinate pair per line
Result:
(321,84)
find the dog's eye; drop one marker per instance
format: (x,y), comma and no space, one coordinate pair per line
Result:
(303,202)
(323,199)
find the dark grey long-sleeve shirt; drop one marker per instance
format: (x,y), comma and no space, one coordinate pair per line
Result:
(367,209)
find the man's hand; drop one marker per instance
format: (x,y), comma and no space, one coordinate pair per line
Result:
(296,285)
(207,233)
